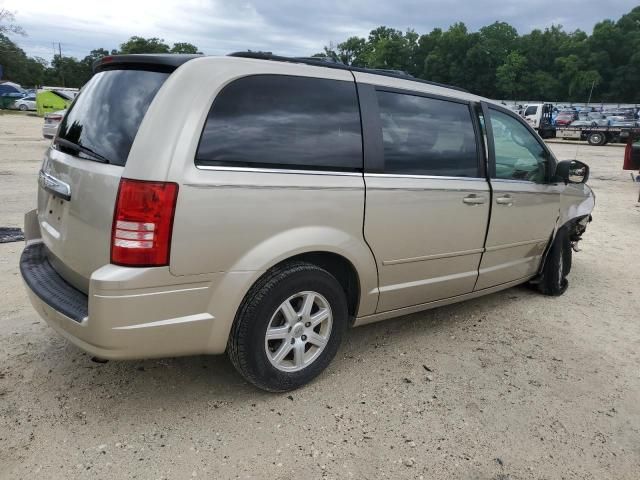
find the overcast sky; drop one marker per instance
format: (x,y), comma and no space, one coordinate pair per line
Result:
(288,27)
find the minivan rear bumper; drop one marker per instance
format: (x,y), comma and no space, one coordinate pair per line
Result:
(128,313)
(44,282)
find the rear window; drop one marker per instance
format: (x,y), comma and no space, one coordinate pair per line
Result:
(105,117)
(275,121)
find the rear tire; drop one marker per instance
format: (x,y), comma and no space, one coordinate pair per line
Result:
(557,266)
(258,355)
(23,108)
(596,139)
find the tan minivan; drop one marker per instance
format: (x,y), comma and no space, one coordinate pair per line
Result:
(262,205)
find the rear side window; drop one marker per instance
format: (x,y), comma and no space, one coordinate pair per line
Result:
(531,111)
(427,136)
(105,117)
(275,121)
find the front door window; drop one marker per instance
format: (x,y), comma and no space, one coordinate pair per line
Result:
(519,155)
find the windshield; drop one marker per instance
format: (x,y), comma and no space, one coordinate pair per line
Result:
(105,117)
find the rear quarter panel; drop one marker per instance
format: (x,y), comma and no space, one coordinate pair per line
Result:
(248,222)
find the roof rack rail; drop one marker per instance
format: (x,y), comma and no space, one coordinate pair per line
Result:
(323,58)
(329,62)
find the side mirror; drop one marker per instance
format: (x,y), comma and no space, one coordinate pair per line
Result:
(572,171)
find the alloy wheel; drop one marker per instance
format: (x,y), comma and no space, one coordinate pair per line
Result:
(298,331)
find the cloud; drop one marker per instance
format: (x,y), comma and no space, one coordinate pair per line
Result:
(288,27)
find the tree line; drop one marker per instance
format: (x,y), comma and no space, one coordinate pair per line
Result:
(496,62)
(69,71)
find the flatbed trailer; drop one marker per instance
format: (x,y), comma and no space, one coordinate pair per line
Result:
(598,135)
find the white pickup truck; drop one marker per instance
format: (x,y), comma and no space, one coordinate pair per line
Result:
(538,115)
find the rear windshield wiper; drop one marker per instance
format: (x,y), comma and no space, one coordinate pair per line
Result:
(79,148)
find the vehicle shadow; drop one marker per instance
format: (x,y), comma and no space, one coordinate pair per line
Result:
(212,382)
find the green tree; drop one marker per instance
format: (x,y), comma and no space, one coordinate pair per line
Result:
(509,75)
(494,43)
(67,72)
(388,48)
(576,77)
(351,52)
(541,85)
(17,67)
(446,62)
(549,64)
(557,64)
(144,45)
(183,47)
(95,54)
(64,70)
(621,45)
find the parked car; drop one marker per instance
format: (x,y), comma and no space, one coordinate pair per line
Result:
(25,103)
(9,92)
(13,95)
(590,115)
(236,221)
(623,123)
(566,117)
(590,123)
(11,89)
(620,114)
(629,113)
(51,123)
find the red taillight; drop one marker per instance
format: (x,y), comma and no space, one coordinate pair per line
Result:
(142,223)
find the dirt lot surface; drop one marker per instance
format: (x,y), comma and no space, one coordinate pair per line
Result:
(510,386)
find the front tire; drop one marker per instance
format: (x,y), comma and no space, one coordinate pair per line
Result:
(288,327)
(23,108)
(557,266)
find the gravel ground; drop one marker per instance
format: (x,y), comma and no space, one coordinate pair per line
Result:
(510,386)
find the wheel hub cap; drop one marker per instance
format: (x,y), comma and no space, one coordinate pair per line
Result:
(298,331)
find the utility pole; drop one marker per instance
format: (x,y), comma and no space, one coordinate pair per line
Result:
(60,57)
(591,92)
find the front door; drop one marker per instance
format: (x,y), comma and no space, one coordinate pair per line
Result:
(525,205)
(427,208)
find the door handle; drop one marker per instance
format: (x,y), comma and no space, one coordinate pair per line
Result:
(505,200)
(54,186)
(473,199)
